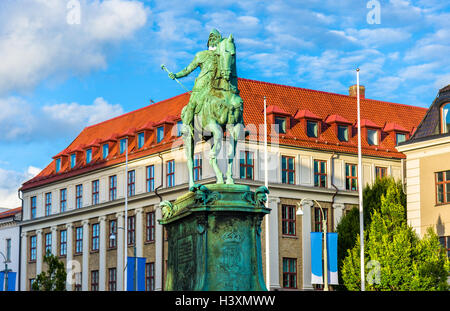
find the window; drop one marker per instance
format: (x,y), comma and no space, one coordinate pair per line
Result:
(288,219)
(63,243)
(131,229)
(63,199)
(443,187)
(105,150)
(380,172)
(79,196)
(78,240)
(445,242)
(246,165)
(289,273)
(280,125)
(197,167)
(112,280)
(445,118)
(73,160)
(31,281)
(159,134)
(48,243)
(95,242)
(351,177)
(343,133)
(48,204)
(95,195)
(78,278)
(131,183)
(141,140)
(112,187)
(123,145)
(312,129)
(150,178)
(33,207)
(150,276)
(88,156)
(287,170)
(320,173)
(399,138)
(179,128)
(372,137)
(58,165)
(8,249)
(33,243)
(94,280)
(318,219)
(170,173)
(150,227)
(112,233)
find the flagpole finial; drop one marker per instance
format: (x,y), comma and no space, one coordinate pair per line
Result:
(357,69)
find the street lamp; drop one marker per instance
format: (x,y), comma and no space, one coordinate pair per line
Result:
(324,245)
(112,236)
(5,261)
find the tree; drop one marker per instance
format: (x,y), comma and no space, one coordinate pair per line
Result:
(395,257)
(54,279)
(348,227)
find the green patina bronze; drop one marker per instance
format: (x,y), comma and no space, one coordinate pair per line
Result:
(214,230)
(214,104)
(214,238)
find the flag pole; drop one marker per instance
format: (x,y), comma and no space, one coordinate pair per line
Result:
(360,186)
(126,219)
(266,184)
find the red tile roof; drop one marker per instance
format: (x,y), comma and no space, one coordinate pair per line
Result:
(10,212)
(287,99)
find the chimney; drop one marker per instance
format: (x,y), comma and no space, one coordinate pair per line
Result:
(352,91)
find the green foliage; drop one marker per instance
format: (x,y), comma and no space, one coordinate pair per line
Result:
(395,257)
(54,279)
(348,227)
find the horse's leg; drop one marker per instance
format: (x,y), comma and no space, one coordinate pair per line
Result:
(234,136)
(189,149)
(216,131)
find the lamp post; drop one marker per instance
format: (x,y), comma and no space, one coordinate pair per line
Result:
(113,237)
(5,261)
(324,245)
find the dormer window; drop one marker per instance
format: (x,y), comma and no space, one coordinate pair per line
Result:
(159,134)
(445,118)
(73,160)
(280,125)
(88,156)
(179,128)
(123,145)
(105,150)
(372,137)
(58,165)
(399,138)
(312,129)
(342,132)
(141,140)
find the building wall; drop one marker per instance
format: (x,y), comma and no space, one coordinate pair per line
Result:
(10,232)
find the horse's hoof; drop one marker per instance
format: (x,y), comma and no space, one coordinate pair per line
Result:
(230,182)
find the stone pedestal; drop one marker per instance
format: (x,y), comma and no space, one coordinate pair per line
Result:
(214,240)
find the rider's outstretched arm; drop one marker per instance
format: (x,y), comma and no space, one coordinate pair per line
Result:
(191,67)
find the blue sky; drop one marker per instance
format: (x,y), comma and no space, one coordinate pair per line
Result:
(58,76)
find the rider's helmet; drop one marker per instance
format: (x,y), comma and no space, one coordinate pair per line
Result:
(214,38)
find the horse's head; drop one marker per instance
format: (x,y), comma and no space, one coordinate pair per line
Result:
(227,54)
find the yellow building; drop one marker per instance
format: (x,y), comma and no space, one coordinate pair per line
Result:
(428,170)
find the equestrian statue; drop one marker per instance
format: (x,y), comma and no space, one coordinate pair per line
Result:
(215,106)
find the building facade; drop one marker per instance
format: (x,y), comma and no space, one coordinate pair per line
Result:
(75,207)
(10,241)
(428,171)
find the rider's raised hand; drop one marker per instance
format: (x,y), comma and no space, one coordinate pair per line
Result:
(172,75)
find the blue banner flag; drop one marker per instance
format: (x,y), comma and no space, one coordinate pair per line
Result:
(332,241)
(2,281)
(136,273)
(11,281)
(316,258)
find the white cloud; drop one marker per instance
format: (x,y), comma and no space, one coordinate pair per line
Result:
(10,182)
(58,120)
(37,42)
